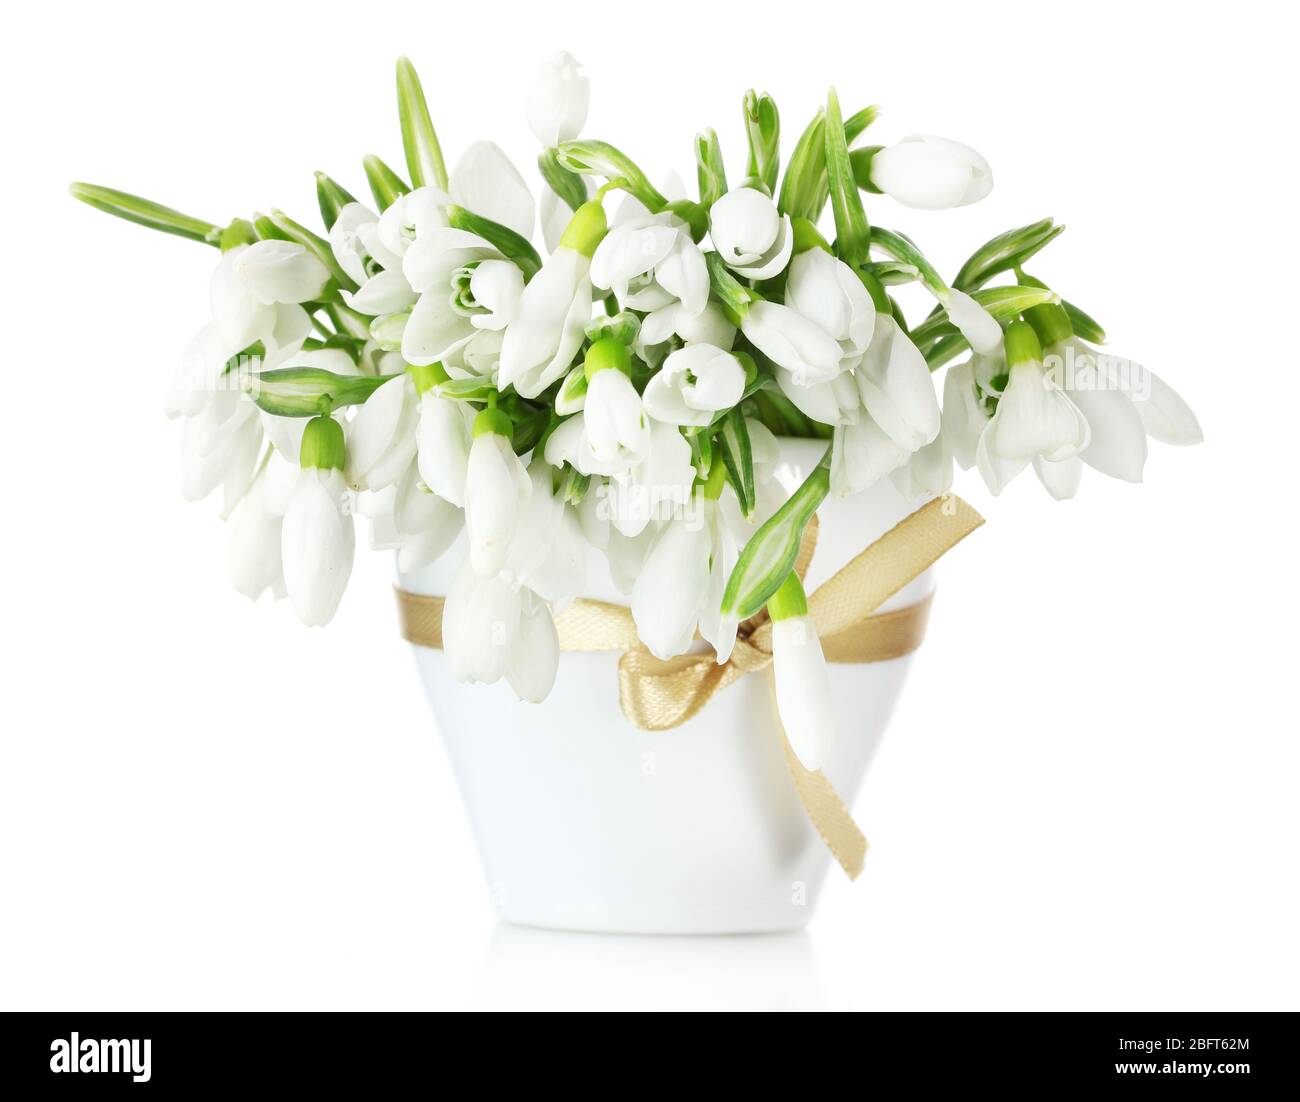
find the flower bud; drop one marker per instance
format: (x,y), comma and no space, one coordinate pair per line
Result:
(558,100)
(931,173)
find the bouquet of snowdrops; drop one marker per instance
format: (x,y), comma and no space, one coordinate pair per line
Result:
(423,364)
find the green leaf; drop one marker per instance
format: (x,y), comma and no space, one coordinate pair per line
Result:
(569,186)
(853,233)
(385,185)
(1005,253)
(805,191)
(332,199)
(309,391)
(511,245)
(710,172)
(738,457)
(419,141)
(763,131)
(145,212)
(595,158)
(770,555)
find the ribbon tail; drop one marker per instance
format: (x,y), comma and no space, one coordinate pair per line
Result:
(822,804)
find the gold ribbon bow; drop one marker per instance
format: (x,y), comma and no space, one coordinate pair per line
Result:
(656,694)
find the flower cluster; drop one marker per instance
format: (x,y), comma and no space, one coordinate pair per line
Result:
(423,364)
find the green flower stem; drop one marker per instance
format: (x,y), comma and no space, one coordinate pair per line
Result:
(569,186)
(595,158)
(145,212)
(734,297)
(419,141)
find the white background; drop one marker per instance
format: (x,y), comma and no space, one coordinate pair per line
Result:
(1087,798)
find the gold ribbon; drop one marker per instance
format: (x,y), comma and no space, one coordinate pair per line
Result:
(656,694)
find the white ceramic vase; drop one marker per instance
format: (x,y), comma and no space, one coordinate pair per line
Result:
(585,822)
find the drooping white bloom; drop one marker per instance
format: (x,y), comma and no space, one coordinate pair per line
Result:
(355,242)
(964,415)
(254,552)
(670,589)
(317,544)
(927,473)
(751,235)
(861,455)
(825,290)
(549,324)
(381,440)
(491,630)
(280,271)
(693,384)
(617,431)
(558,100)
(425,525)
(931,173)
(1165,415)
(793,342)
(896,389)
(658,485)
(1034,418)
(443,439)
(651,263)
(496,486)
(803,689)
(410,217)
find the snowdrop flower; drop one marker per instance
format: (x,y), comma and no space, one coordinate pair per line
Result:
(486,182)
(443,440)
(548,553)
(425,525)
(558,100)
(254,552)
(318,538)
(381,442)
(1034,417)
(492,630)
(896,389)
(751,236)
(355,242)
(793,342)
(548,327)
(617,432)
(931,173)
(468,293)
(927,473)
(827,291)
(693,384)
(803,687)
(255,288)
(709,326)
(410,217)
(651,263)
(496,486)
(861,455)
(968,395)
(670,590)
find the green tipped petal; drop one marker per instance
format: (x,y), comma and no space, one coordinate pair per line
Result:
(419,141)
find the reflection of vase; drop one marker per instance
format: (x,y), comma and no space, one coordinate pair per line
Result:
(585,822)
